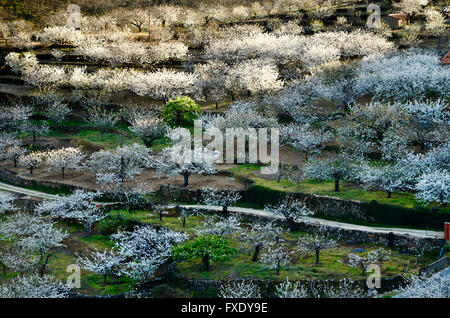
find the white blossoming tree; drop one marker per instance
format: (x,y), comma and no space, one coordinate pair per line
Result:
(241,289)
(177,160)
(106,263)
(7,202)
(290,209)
(79,206)
(63,159)
(276,258)
(434,187)
(34,286)
(316,243)
(222,198)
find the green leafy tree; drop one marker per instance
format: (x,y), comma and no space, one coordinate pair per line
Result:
(181,111)
(205,248)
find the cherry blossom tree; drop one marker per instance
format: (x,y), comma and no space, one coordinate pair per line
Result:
(165,84)
(436,286)
(368,125)
(33,235)
(316,242)
(13,118)
(260,236)
(412,7)
(64,158)
(212,80)
(60,35)
(13,153)
(34,286)
(57,112)
(418,75)
(119,166)
(7,202)
(389,178)
(35,129)
(17,260)
(220,227)
(222,198)
(341,167)
(31,160)
(379,255)
(434,187)
(252,77)
(186,212)
(106,263)
(21,62)
(240,116)
(241,289)
(79,206)
(426,122)
(136,17)
(290,289)
(148,128)
(355,260)
(290,209)
(101,118)
(276,258)
(303,138)
(435,24)
(147,248)
(177,160)
(344,288)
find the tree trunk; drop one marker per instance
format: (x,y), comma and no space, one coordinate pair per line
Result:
(15,162)
(186,180)
(205,262)
(45,264)
(225,210)
(178,119)
(31,170)
(291,224)
(217,104)
(34,136)
(336,185)
(104,276)
(317,256)
(184,222)
(160,217)
(256,253)
(102,133)
(389,194)
(148,142)
(62,170)
(4,270)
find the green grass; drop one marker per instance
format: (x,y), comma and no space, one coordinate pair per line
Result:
(109,141)
(332,265)
(348,191)
(332,262)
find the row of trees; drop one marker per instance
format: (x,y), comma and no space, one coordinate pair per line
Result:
(139,253)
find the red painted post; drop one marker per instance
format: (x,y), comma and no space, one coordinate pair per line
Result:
(447,231)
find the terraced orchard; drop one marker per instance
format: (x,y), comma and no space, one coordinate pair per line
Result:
(247,149)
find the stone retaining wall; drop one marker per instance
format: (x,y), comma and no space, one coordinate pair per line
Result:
(13,178)
(328,206)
